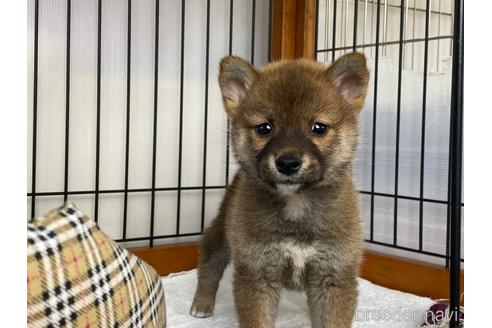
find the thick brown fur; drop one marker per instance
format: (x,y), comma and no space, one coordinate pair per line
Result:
(303,231)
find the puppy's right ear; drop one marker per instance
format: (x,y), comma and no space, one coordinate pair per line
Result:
(350,76)
(235,79)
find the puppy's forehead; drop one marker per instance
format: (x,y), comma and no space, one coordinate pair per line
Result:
(295,78)
(299,86)
(298,65)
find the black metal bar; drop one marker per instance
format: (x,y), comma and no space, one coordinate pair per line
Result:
(334,29)
(398,117)
(403,248)
(154,136)
(67,100)
(119,191)
(450,177)
(253,24)
(128,92)
(428,200)
(231,24)
(228,134)
(388,43)
(270,22)
(368,241)
(456,139)
(374,117)
(98,110)
(356,12)
(408,249)
(114,191)
(416,9)
(422,140)
(205,122)
(448,216)
(35,108)
(316,30)
(158,237)
(180,153)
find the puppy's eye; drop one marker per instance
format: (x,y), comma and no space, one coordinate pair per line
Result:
(319,128)
(264,128)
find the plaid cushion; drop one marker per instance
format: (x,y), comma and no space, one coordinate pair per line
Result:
(78,277)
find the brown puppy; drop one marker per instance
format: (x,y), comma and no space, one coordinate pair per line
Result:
(290,218)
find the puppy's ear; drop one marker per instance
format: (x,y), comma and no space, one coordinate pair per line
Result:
(350,76)
(235,79)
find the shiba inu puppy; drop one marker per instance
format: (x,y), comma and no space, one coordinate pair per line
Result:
(290,218)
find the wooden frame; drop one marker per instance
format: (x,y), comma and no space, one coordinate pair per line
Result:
(293,36)
(170,258)
(293,29)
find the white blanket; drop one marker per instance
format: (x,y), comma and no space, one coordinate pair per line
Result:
(377,306)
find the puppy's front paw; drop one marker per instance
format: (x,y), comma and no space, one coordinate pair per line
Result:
(201,309)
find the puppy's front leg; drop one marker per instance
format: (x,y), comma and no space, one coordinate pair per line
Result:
(332,303)
(214,258)
(256,300)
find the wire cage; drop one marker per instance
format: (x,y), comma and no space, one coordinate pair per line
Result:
(413,58)
(126,117)
(406,40)
(110,31)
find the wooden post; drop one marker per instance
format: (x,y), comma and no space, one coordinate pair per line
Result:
(293,29)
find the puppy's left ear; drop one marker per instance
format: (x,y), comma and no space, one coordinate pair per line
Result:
(350,76)
(235,79)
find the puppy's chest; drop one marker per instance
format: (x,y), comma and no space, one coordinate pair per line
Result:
(297,255)
(286,262)
(297,206)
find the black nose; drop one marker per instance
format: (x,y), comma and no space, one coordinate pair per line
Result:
(288,164)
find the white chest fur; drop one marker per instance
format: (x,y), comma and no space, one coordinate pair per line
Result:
(300,255)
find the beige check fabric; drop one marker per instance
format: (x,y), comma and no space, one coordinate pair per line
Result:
(78,277)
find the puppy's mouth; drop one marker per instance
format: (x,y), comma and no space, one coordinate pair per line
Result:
(289,183)
(290,186)
(284,186)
